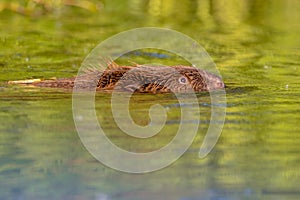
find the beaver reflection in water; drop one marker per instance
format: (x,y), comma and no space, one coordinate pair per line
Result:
(145,79)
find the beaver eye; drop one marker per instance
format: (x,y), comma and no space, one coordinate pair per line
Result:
(182,80)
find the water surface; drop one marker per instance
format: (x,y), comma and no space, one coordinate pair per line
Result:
(256,48)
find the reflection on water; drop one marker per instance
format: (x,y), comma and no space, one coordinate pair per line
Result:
(255,45)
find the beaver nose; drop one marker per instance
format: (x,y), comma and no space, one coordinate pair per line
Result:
(220,85)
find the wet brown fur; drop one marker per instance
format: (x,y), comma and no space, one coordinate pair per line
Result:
(145,79)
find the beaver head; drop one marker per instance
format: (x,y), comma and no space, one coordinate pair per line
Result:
(157,79)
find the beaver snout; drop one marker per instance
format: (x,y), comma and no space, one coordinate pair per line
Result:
(220,84)
(216,84)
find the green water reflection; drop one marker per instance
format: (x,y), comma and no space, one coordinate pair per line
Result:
(255,45)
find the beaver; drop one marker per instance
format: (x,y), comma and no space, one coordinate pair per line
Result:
(142,79)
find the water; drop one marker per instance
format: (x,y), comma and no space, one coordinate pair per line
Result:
(256,48)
